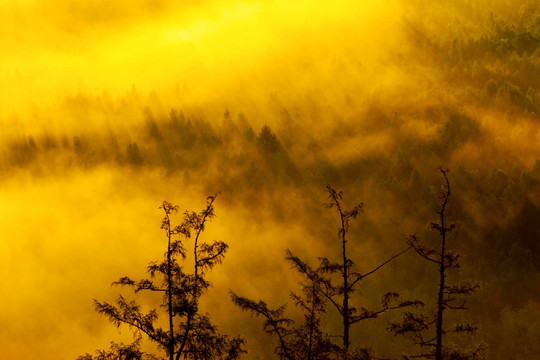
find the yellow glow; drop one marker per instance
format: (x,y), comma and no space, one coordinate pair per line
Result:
(216,48)
(350,82)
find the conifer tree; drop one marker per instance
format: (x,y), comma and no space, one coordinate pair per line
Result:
(336,281)
(320,288)
(303,341)
(188,334)
(429,331)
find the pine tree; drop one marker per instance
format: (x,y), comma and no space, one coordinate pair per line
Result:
(189,334)
(428,331)
(296,341)
(320,288)
(336,281)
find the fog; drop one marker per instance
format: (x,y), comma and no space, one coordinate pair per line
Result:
(108,109)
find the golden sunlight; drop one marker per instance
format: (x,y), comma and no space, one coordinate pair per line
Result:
(306,143)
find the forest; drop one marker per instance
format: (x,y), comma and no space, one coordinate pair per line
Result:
(289,181)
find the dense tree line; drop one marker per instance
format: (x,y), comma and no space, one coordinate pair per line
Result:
(497,205)
(497,201)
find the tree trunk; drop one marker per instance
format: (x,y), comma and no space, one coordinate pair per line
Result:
(169,291)
(346,312)
(442,268)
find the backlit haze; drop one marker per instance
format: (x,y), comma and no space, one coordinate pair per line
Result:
(369,96)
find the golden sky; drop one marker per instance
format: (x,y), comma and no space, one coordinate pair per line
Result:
(70,68)
(231,53)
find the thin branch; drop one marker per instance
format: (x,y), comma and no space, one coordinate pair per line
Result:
(461,307)
(360,277)
(419,252)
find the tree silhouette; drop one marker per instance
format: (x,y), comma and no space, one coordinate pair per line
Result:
(303,341)
(417,325)
(188,334)
(338,292)
(321,288)
(121,352)
(133,155)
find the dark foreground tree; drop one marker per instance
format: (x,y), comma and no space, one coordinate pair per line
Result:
(428,331)
(186,332)
(337,281)
(333,283)
(296,341)
(121,352)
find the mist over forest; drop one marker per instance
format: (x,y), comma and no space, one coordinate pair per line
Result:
(107,110)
